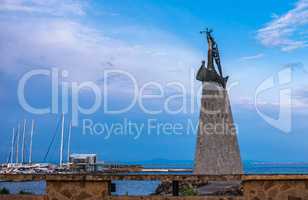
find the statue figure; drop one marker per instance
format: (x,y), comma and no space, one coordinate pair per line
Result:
(209,73)
(217,150)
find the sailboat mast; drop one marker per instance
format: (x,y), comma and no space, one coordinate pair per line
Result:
(23,143)
(12,147)
(31,136)
(62,142)
(17,143)
(69,142)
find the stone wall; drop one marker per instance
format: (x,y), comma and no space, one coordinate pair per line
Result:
(97,187)
(276,190)
(85,190)
(112,177)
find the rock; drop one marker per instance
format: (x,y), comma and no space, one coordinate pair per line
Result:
(215,188)
(222,188)
(165,188)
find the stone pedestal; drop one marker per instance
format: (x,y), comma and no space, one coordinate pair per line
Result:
(217,150)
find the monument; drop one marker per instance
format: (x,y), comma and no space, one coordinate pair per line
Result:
(217,149)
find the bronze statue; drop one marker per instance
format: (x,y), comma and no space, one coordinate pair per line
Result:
(209,73)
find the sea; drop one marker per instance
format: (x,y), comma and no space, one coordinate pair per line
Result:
(148,187)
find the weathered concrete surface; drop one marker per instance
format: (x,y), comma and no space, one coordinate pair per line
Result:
(217,149)
(86,190)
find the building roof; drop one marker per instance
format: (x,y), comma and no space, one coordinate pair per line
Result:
(82,155)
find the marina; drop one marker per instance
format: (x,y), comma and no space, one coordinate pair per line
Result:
(153,100)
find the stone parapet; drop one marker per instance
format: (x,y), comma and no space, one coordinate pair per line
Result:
(110,177)
(95,186)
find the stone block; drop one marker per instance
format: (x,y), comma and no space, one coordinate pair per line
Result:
(77,190)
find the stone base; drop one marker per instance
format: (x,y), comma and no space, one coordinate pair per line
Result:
(218,155)
(217,149)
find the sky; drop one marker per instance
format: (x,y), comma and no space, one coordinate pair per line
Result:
(123,72)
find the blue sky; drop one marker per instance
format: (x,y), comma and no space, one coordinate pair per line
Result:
(157,41)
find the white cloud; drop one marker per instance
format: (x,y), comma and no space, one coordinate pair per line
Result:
(254,57)
(51,7)
(63,42)
(284,31)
